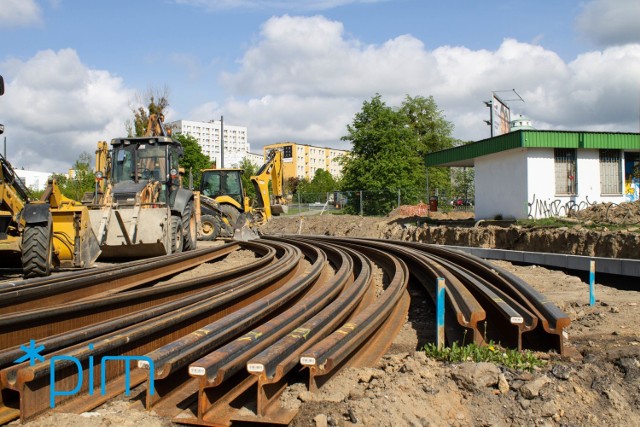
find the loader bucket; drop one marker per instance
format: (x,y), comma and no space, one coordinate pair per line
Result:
(132,233)
(243,231)
(279,209)
(74,242)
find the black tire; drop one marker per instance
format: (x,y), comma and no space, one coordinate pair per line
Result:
(37,250)
(176,234)
(189,228)
(228,221)
(210,228)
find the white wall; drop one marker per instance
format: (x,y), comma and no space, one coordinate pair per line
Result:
(501,185)
(542,201)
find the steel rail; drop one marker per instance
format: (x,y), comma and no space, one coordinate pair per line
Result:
(321,317)
(361,337)
(31,385)
(171,361)
(64,324)
(547,333)
(111,280)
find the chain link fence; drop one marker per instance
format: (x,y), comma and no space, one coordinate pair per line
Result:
(369,202)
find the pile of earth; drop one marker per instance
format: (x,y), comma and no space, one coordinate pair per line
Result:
(627,213)
(460,231)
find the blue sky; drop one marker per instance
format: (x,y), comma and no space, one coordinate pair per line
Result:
(300,70)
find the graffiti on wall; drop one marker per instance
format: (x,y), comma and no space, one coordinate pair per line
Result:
(555,208)
(632,189)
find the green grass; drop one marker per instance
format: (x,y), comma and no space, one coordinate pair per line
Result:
(514,359)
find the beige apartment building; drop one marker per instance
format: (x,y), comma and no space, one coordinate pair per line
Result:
(304,160)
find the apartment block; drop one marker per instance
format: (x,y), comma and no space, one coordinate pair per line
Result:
(304,160)
(208,134)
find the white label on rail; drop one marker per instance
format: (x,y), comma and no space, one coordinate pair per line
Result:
(197,370)
(307,361)
(143,364)
(255,367)
(517,320)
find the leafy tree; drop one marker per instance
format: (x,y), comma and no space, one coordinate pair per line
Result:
(463,179)
(385,158)
(193,160)
(316,189)
(157,103)
(83,180)
(248,170)
(433,132)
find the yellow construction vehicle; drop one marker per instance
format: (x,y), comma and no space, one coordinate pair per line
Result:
(225,208)
(139,208)
(38,236)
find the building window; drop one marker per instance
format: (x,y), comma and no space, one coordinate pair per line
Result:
(565,170)
(610,172)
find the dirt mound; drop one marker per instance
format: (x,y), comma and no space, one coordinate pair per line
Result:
(610,213)
(576,240)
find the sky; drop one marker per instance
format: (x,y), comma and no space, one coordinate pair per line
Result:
(300,70)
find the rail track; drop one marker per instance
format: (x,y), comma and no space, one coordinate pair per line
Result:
(198,348)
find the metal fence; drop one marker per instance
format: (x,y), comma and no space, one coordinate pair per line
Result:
(367,201)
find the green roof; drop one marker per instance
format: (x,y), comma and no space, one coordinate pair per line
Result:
(525,138)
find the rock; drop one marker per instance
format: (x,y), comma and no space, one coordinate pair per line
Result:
(305,396)
(630,366)
(503,384)
(548,409)
(476,376)
(562,372)
(532,388)
(321,420)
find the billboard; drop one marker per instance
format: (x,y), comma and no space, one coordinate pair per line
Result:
(500,117)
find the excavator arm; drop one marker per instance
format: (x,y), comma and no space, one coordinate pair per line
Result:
(271,170)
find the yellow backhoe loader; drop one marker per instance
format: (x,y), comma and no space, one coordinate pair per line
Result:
(139,208)
(225,208)
(38,236)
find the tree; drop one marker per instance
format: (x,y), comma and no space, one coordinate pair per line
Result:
(157,102)
(82,181)
(433,133)
(384,159)
(316,190)
(463,179)
(193,159)
(248,170)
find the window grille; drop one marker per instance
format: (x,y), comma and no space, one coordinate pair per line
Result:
(610,171)
(565,171)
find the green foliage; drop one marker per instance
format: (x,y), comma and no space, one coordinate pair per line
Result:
(193,160)
(248,170)
(514,359)
(83,180)
(156,103)
(387,154)
(463,179)
(316,189)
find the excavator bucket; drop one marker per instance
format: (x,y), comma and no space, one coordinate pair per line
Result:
(74,243)
(243,231)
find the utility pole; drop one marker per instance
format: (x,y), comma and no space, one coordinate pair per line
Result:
(221,142)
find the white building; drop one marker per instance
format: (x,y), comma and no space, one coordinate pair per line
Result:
(538,174)
(236,140)
(255,159)
(33,180)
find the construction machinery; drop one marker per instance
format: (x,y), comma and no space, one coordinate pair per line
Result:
(38,236)
(225,207)
(139,208)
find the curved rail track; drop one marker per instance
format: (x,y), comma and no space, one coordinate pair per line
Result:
(200,347)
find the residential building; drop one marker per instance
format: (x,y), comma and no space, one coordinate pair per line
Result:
(236,140)
(255,159)
(537,174)
(302,160)
(33,180)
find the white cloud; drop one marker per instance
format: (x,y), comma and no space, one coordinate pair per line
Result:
(610,22)
(55,108)
(295,5)
(304,80)
(19,13)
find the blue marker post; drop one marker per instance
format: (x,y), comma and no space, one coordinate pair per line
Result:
(440,313)
(592,283)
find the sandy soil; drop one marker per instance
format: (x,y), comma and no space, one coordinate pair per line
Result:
(597,383)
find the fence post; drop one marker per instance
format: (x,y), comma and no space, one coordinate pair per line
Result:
(592,283)
(399,198)
(299,205)
(440,313)
(361,207)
